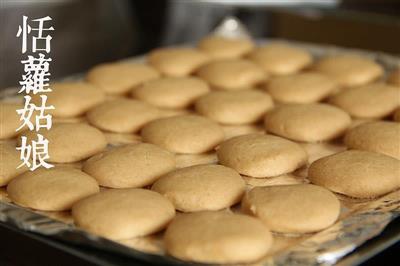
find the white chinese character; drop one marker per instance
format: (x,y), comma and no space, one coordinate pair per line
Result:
(28,110)
(34,155)
(26,29)
(36,75)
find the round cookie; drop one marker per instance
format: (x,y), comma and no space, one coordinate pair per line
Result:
(179,92)
(380,136)
(9,163)
(232,74)
(120,78)
(177,61)
(201,187)
(10,120)
(301,208)
(280,59)
(394,78)
(183,134)
(259,155)
(220,47)
(396,115)
(307,122)
(349,70)
(359,174)
(128,166)
(123,213)
(370,101)
(54,189)
(70,142)
(234,107)
(122,115)
(217,238)
(306,87)
(71,99)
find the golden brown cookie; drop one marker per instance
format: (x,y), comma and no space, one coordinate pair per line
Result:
(359,174)
(232,74)
(285,179)
(380,136)
(122,115)
(201,188)
(260,155)
(123,213)
(9,163)
(349,70)
(220,47)
(280,58)
(217,238)
(177,61)
(68,142)
(120,78)
(184,133)
(178,92)
(370,101)
(305,87)
(302,208)
(71,99)
(54,189)
(234,107)
(307,122)
(134,165)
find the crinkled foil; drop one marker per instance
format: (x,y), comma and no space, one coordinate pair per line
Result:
(358,222)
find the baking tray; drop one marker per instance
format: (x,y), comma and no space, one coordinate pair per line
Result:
(359,222)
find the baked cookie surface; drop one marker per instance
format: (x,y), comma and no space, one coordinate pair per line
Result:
(302,208)
(280,59)
(358,174)
(54,189)
(349,70)
(177,61)
(231,74)
(201,187)
(171,92)
(375,100)
(130,166)
(217,237)
(123,213)
(234,107)
(259,155)
(9,163)
(122,115)
(10,120)
(184,133)
(120,78)
(380,136)
(307,122)
(305,87)
(69,142)
(219,47)
(71,99)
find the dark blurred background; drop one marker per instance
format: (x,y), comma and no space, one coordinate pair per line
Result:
(88,32)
